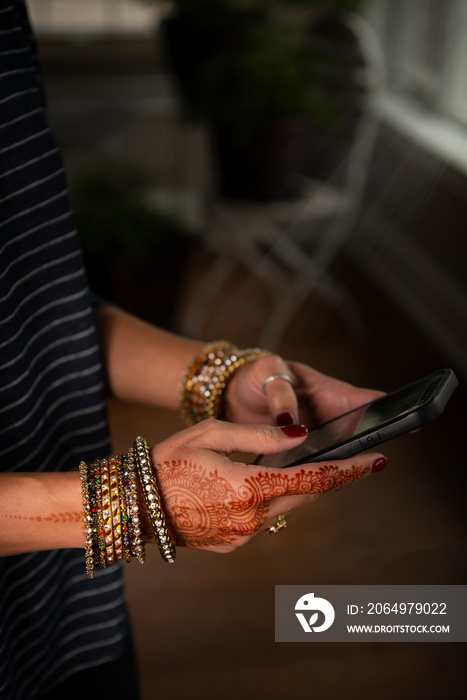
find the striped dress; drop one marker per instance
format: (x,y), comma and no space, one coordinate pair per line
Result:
(53,620)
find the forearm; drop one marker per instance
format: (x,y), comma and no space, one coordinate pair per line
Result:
(142,363)
(40,512)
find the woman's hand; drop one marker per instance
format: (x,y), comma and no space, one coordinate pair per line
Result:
(216,504)
(311,397)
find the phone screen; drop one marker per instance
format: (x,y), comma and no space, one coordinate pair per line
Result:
(360,422)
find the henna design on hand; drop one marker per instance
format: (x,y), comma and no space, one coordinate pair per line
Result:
(314,481)
(205,509)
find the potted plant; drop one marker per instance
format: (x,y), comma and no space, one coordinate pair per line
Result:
(246,68)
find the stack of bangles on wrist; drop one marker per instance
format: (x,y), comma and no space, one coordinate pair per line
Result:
(204,382)
(112,518)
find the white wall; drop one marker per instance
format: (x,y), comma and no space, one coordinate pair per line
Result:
(95,17)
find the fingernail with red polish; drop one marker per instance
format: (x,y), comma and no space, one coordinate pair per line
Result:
(285,418)
(379,464)
(294,431)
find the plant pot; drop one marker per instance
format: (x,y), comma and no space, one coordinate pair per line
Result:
(262,168)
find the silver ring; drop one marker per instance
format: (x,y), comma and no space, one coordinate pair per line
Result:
(273,377)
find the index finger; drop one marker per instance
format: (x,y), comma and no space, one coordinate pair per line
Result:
(278,387)
(316,477)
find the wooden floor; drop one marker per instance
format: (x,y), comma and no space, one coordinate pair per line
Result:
(205,626)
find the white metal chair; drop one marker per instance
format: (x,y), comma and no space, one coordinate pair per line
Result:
(290,245)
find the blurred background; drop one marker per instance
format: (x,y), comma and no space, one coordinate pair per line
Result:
(290,174)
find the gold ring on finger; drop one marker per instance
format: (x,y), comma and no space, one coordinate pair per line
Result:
(280,524)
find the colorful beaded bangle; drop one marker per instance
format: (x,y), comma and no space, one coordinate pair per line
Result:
(96,473)
(95,507)
(152,499)
(203,384)
(124,510)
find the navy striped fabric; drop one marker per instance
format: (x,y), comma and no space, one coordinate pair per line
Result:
(53,620)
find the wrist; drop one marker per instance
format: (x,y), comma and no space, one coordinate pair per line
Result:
(40,512)
(203,384)
(122,509)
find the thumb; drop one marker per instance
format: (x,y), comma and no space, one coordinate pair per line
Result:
(228,438)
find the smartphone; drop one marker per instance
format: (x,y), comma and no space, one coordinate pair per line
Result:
(362,428)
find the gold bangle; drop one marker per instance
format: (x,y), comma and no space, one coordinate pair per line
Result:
(88,521)
(134,526)
(203,383)
(107,513)
(192,390)
(152,499)
(115,508)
